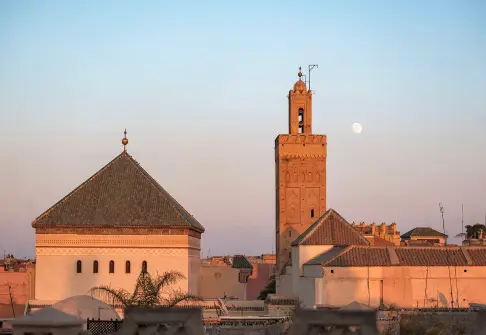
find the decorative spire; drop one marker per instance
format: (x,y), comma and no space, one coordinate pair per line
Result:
(300,72)
(125,140)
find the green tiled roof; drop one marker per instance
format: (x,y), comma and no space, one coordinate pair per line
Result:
(423,231)
(241,262)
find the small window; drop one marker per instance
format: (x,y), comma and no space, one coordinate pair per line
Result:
(290,233)
(112,267)
(127,267)
(332,271)
(79,267)
(312,213)
(144,266)
(95,267)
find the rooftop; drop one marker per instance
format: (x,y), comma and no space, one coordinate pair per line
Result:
(423,231)
(121,194)
(331,229)
(360,256)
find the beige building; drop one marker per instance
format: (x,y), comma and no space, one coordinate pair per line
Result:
(379,232)
(235,277)
(424,235)
(108,229)
(333,265)
(225,277)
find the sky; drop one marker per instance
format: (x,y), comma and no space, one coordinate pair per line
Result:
(201,88)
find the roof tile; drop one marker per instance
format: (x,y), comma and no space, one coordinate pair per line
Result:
(121,194)
(423,231)
(331,229)
(406,256)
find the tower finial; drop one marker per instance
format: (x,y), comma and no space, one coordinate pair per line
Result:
(300,72)
(125,140)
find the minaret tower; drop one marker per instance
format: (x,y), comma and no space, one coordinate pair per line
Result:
(300,166)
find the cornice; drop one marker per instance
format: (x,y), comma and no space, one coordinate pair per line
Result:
(128,241)
(116,231)
(116,251)
(301,138)
(302,155)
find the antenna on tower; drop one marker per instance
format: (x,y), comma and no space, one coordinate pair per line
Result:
(311,67)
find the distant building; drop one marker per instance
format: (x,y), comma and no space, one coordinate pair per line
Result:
(235,277)
(116,224)
(225,277)
(17,286)
(381,231)
(424,235)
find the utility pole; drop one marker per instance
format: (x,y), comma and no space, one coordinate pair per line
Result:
(11,300)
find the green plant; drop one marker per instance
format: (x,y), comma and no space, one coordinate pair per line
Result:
(148,292)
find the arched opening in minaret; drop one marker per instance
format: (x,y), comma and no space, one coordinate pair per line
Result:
(312,213)
(301,120)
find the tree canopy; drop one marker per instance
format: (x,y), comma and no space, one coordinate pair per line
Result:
(474,231)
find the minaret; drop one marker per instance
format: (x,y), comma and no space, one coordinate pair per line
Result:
(300,162)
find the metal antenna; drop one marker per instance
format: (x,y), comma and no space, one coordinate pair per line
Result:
(462,221)
(311,67)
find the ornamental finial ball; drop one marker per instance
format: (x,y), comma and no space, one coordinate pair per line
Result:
(124,140)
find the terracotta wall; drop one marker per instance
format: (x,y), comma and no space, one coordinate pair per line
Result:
(21,283)
(259,279)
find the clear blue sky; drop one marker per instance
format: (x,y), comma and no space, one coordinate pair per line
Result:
(201,87)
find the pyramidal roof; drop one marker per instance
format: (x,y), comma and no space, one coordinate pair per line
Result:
(330,229)
(121,194)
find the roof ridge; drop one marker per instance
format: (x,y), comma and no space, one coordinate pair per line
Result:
(159,187)
(66,197)
(308,232)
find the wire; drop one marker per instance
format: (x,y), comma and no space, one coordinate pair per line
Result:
(426,281)
(447,253)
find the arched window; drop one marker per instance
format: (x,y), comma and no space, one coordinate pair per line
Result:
(95,267)
(112,267)
(127,267)
(301,120)
(144,266)
(79,267)
(312,213)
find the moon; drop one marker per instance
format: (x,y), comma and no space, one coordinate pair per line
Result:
(357,128)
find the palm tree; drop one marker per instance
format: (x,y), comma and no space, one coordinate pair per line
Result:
(270,288)
(148,292)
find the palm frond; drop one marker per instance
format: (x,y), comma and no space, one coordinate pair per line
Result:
(111,295)
(168,278)
(178,297)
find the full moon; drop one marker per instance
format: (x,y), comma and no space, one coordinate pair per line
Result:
(357,128)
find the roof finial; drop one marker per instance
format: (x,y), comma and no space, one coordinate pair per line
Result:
(300,72)
(125,140)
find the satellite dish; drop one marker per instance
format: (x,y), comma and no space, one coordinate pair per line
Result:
(443,300)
